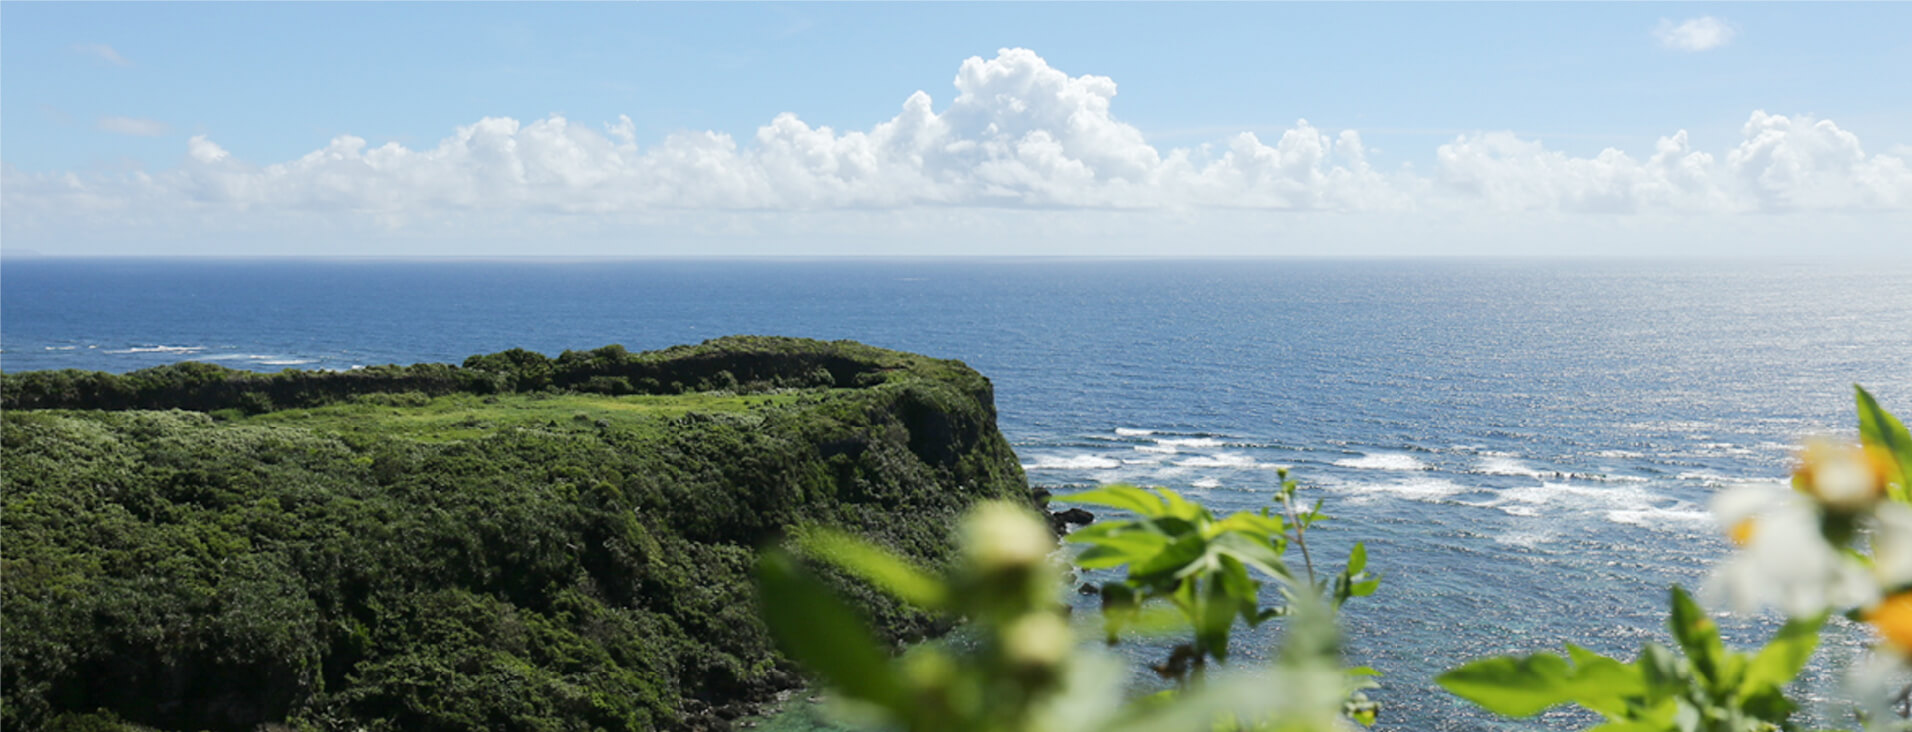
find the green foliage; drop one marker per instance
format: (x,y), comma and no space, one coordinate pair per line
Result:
(1016,667)
(1707,687)
(1877,427)
(738,364)
(1178,552)
(398,560)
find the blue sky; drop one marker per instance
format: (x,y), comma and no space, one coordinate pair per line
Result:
(104,105)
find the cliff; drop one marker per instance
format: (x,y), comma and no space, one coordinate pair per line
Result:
(516,542)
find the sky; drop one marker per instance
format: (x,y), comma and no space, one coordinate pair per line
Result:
(1150,129)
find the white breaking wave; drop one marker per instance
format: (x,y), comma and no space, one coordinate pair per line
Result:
(1074,462)
(1207,483)
(61,348)
(1529,539)
(1383,461)
(1419,489)
(1162,449)
(1682,513)
(1225,460)
(286,361)
(1189,442)
(1133,432)
(1631,505)
(161,349)
(1507,466)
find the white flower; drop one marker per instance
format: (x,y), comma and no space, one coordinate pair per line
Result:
(1784,562)
(1845,477)
(1892,544)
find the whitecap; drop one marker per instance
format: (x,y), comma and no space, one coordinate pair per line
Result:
(287,361)
(1133,432)
(1222,460)
(232,357)
(1528,539)
(161,349)
(1188,442)
(1207,483)
(1383,461)
(1650,517)
(61,348)
(1507,466)
(1162,449)
(1419,489)
(1075,462)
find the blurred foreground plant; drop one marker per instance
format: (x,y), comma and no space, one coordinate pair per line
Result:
(1017,667)
(1839,541)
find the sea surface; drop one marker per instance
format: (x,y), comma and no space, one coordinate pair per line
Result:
(1526,446)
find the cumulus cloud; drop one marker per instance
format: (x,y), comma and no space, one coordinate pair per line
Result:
(133,126)
(1694,34)
(1019,135)
(102,52)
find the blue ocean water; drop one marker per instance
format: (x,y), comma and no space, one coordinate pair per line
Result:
(1527,447)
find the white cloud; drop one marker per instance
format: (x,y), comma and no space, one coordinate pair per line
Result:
(102,52)
(1019,136)
(1694,34)
(133,126)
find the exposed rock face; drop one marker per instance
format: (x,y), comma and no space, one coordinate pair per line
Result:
(553,549)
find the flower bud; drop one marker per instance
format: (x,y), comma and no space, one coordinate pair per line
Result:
(1893,619)
(1843,477)
(1001,539)
(1036,644)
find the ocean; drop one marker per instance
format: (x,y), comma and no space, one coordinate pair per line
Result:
(1526,446)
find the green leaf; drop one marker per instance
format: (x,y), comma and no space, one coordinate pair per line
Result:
(1781,660)
(814,627)
(1698,635)
(1253,551)
(892,573)
(1604,684)
(1175,505)
(1119,549)
(1175,560)
(1250,523)
(1879,427)
(1125,497)
(1510,685)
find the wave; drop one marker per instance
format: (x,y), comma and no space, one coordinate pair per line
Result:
(1507,466)
(61,348)
(1681,513)
(1419,489)
(1074,462)
(160,349)
(1189,442)
(1383,461)
(287,361)
(1629,505)
(1225,460)
(1207,483)
(1132,432)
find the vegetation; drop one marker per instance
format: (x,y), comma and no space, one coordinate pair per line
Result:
(1839,541)
(517,543)
(1017,669)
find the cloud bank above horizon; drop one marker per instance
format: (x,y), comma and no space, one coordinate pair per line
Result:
(1019,137)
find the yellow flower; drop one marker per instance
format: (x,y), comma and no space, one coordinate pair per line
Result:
(1842,476)
(1893,619)
(1742,532)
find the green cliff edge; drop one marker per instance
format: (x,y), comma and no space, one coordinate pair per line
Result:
(519,542)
